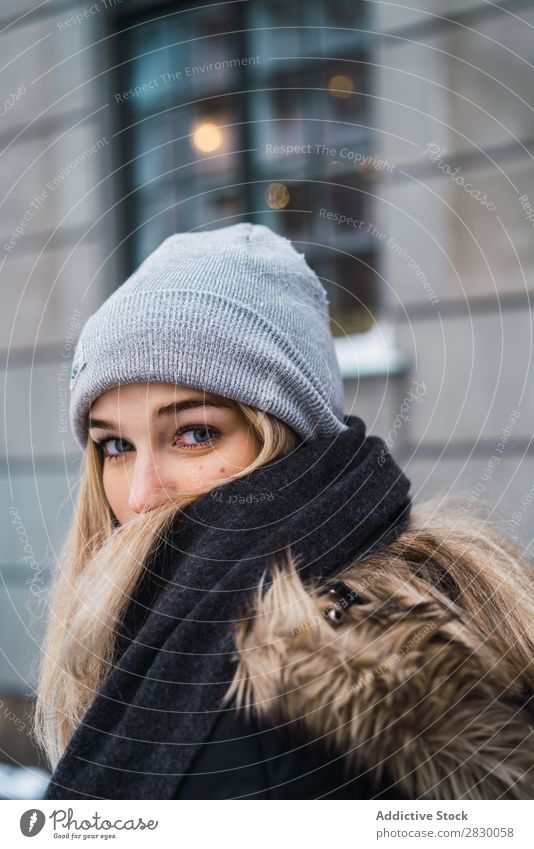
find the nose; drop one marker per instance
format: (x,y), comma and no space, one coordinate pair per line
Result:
(149,487)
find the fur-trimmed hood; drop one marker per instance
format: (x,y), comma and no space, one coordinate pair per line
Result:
(398,683)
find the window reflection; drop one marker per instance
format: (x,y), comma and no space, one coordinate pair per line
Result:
(248,122)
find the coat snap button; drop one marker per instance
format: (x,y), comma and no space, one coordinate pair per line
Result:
(334,614)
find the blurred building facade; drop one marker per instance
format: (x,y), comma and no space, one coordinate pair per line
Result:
(393,146)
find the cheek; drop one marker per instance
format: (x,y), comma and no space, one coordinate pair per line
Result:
(242,449)
(237,453)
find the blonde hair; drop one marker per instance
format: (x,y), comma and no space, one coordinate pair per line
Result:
(462,558)
(99,567)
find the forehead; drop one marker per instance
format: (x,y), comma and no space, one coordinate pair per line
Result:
(149,393)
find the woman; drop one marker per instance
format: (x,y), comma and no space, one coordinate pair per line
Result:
(248,605)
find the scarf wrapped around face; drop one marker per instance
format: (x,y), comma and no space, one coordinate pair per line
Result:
(333,500)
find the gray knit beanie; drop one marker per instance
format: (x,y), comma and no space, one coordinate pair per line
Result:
(235,311)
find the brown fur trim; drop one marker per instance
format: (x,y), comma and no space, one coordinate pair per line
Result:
(400,684)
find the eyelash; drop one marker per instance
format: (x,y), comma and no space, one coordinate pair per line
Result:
(184,429)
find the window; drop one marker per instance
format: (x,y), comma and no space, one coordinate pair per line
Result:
(230,113)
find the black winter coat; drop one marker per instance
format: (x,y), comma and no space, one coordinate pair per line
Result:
(244,759)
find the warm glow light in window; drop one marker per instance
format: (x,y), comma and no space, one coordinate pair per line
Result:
(340,86)
(207,137)
(277,196)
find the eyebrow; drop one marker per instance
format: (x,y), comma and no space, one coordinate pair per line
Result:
(167,410)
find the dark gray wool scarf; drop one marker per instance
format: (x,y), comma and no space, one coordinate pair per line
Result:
(332,500)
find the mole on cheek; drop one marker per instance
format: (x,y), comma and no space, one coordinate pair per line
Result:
(222,469)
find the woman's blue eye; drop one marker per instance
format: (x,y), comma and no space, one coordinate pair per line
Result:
(199,431)
(107,452)
(200,435)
